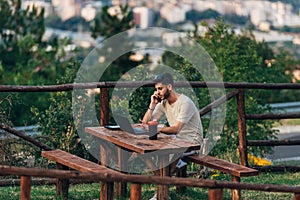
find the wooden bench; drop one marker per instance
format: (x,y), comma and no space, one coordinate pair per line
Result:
(235,170)
(64,159)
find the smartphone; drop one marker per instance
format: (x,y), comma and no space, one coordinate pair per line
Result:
(158,99)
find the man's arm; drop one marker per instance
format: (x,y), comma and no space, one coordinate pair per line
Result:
(172,129)
(148,115)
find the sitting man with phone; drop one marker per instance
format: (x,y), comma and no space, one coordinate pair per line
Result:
(181,113)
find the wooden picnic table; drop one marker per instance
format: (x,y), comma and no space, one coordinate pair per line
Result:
(140,145)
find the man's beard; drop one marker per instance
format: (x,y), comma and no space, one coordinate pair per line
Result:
(166,96)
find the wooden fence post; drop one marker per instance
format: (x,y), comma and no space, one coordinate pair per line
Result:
(215,194)
(104,106)
(106,187)
(25,187)
(135,191)
(242,127)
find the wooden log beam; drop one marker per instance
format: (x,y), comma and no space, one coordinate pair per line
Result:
(39,181)
(145,179)
(272,142)
(278,168)
(92,85)
(273,116)
(218,102)
(25,137)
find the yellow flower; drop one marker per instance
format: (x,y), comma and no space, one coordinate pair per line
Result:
(258,161)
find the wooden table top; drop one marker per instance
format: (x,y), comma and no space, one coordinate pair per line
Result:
(141,143)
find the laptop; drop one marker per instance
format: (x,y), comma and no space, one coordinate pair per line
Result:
(125,125)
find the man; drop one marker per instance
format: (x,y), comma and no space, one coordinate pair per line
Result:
(181,113)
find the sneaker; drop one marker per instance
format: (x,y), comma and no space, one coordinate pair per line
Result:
(154,197)
(180,164)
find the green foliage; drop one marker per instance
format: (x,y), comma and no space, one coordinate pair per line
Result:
(16,23)
(196,16)
(26,59)
(137,101)
(76,23)
(112,21)
(239,58)
(57,123)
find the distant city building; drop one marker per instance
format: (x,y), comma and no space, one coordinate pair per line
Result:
(119,2)
(88,12)
(143,17)
(172,13)
(264,26)
(48,9)
(66,9)
(173,39)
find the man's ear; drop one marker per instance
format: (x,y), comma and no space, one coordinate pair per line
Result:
(169,86)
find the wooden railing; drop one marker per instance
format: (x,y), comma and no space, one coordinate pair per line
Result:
(239,93)
(216,188)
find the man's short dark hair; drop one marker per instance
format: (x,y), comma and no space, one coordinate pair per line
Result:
(165,79)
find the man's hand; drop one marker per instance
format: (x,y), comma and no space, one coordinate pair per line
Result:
(172,129)
(155,98)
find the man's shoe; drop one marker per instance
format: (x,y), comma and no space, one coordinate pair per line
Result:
(180,164)
(154,197)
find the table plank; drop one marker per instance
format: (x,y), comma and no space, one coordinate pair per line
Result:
(141,143)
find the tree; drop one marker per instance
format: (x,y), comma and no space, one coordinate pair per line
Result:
(76,23)
(15,24)
(239,58)
(26,58)
(57,123)
(196,16)
(114,20)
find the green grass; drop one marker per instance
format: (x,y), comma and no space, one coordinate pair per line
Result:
(289,122)
(91,191)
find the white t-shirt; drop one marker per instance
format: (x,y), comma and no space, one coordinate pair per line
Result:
(185,111)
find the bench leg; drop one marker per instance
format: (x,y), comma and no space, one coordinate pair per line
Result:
(121,187)
(163,190)
(236,194)
(106,190)
(62,185)
(135,191)
(181,173)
